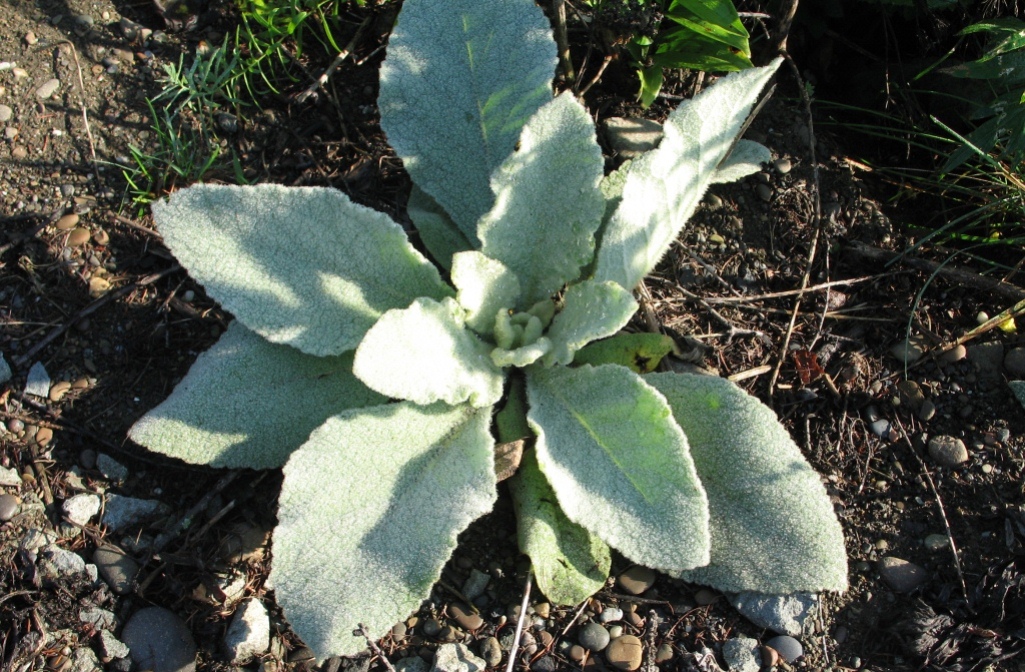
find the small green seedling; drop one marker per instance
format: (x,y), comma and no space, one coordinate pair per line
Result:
(379,387)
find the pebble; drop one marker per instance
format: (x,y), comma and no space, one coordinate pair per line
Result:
(947,451)
(664,653)
(111,469)
(712,201)
(881,428)
(42,437)
(111,647)
(9,507)
(5,114)
(491,651)
(908,351)
(764,192)
(636,580)
(87,458)
(59,389)
(577,652)
(160,641)
(67,222)
(116,568)
(625,653)
(475,584)
(927,412)
(742,654)
(122,512)
(615,631)
(910,394)
(465,616)
(62,562)
(935,542)
(84,660)
(787,647)
(101,237)
(955,354)
(249,632)
(101,619)
(705,597)
(1014,362)
(81,508)
(79,237)
(782,166)
(593,637)
(48,88)
(10,477)
(456,658)
(902,576)
(610,615)
(785,614)
(630,137)
(431,627)
(38,382)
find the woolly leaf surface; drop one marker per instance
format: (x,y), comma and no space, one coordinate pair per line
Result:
(773,526)
(641,353)
(570,564)
(425,354)
(592,310)
(665,185)
(619,463)
(484,286)
(745,159)
(460,80)
(438,232)
(247,403)
(304,266)
(369,513)
(547,202)
(525,355)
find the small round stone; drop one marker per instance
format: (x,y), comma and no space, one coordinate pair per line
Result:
(101,237)
(48,88)
(9,505)
(398,631)
(431,627)
(160,641)
(787,647)
(67,222)
(98,286)
(664,653)
(465,616)
(543,609)
(15,426)
(935,542)
(782,166)
(947,451)
(43,437)
(78,237)
(902,576)
(610,615)
(491,652)
(705,597)
(625,653)
(636,580)
(955,354)
(593,637)
(59,389)
(577,652)
(927,412)
(615,631)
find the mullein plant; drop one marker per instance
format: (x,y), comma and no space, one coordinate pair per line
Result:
(382,383)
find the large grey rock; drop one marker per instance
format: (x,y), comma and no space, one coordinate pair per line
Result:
(456,658)
(122,512)
(742,654)
(785,614)
(249,632)
(160,641)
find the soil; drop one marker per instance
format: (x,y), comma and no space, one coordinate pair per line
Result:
(108,311)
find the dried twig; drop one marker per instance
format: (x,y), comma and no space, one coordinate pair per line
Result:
(943,513)
(312,89)
(33,232)
(795,292)
(85,114)
(519,624)
(597,76)
(88,310)
(562,40)
(135,225)
(362,630)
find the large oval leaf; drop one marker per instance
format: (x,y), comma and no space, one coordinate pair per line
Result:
(425,353)
(773,526)
(619,463)
(548,204)
(298,265)
(570,564)
(591,310)
(369,513)
(663,186)
(460,80)
(247,403)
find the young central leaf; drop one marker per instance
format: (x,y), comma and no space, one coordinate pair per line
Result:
(619,463)
(303,266)
(424,353)
(460,80)
(547,202)
(369,513)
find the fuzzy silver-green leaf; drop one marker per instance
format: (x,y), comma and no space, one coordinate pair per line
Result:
(619,463)
(425,353)
(547,202)
(484,286)
(592,310)
(369,513)
(438,233)
(570,564)
(304,266)
(460,80)
(664,186)
(247,403)
(773,526)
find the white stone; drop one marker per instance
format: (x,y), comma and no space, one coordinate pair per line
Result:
(38,382)
(742,654)
(249,632)
(9,477)
(785,614)
(122,512)
(457,658)
(81,508)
